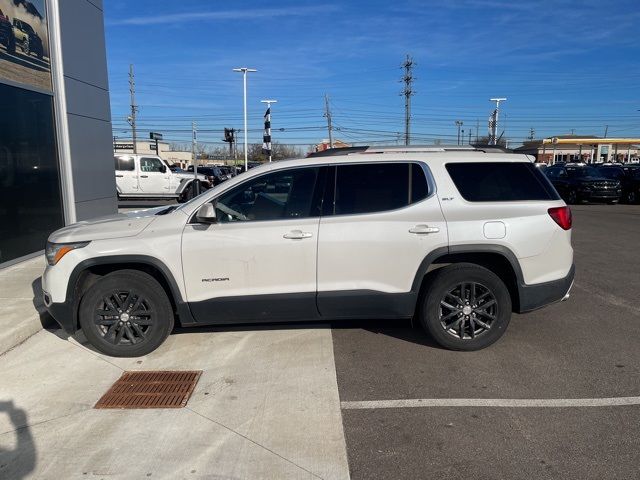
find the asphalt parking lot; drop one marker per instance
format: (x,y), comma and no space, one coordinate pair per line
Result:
(584,348)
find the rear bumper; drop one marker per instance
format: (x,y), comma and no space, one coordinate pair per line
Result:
(537,296)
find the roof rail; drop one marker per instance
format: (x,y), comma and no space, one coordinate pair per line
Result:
(331,152)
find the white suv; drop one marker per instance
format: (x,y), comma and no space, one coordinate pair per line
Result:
(149,177)
(456,239)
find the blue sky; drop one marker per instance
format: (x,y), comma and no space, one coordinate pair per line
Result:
(564,66)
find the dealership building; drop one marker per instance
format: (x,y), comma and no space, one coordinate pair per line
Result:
(56,157)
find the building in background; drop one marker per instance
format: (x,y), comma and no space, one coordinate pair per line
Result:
(56,158)
(148,147)
(582,148)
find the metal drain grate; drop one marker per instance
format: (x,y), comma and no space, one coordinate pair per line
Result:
(151,389)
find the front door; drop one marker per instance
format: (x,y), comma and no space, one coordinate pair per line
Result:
(258,262)
(385,219)
(154,176)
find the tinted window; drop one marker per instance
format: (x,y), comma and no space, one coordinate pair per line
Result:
(607,172)
(583,172)
(377,187)
(500,182)
(276,196)
(124,163)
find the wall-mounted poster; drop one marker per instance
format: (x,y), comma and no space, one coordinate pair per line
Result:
(24,43)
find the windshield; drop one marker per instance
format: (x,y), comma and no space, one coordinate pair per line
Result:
(583,172)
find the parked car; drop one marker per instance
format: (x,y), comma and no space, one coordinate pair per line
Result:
(579,182)
(27,39)
(6,33)
(629,178)
(214,174)
(149,177)
(457,240)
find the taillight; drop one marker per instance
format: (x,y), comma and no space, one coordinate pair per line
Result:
(562,216)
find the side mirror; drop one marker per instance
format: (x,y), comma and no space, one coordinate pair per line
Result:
(206,213)
(163,168)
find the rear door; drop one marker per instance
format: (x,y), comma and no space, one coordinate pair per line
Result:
(126,175)
(380,220)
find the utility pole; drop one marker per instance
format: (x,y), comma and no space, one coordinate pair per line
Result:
(606,130)
(469,136)
(134,108)
(327,113)
(194,149)
(532,133)
(459,124)
(477,129)
(244,71)
(408,93)
(494,122)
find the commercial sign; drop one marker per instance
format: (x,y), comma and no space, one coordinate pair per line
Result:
(24,43)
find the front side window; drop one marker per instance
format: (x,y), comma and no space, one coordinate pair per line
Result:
(281,195)
(148,164)
(500,182)
(377,187)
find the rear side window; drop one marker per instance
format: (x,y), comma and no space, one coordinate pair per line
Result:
(124,163)
(377,187)
(500,182)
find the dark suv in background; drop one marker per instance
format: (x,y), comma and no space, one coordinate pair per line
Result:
(629,178)
(578,182)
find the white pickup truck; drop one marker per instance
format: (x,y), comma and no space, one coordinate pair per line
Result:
(149,176)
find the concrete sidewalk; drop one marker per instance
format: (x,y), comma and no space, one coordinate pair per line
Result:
(266,406)
(22,312)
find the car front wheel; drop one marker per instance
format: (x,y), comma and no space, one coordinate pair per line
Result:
(466,307)
(126,314)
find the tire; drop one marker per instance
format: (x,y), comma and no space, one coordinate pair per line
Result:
(11,45)
(631,197)
(188,193)
(443,323)
(121,336)
(572,197)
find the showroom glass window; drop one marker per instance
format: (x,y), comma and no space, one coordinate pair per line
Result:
(30,198)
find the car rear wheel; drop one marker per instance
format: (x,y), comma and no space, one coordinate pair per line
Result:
(631,197)
(572,197)
(466,307)
(126,314)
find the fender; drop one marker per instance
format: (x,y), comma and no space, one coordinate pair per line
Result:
(70,310)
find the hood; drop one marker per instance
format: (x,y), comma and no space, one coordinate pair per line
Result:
(120,225)
(189,175)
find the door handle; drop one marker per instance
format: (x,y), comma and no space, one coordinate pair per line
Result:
(119,176)
(144,176)
(423,229)
(297,235)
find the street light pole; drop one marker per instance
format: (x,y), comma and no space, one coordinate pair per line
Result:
(459,124)
(244,71)
(269,102)
(494,133)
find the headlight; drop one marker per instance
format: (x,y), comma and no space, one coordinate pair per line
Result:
(55,251)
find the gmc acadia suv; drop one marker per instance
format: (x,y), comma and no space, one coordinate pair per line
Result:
(456,239)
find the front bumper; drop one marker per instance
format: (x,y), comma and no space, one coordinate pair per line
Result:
(62,313)
(540,295)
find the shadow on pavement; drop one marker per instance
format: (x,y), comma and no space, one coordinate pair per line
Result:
(17,462)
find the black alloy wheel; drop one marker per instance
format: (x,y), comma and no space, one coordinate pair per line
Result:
(468,310)
(465,306)
(124,317)
(126,313)
(572,197)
